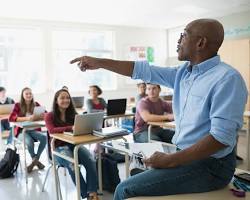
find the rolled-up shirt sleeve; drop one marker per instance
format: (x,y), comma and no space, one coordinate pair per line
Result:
(154,74)
(227,108)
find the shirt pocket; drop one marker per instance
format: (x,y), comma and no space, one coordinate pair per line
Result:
(194,109)
(195,100)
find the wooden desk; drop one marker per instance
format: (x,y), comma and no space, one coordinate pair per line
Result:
(78,141)
(25,126)
(5,116)
(222,194)
(247,117)
(160,124)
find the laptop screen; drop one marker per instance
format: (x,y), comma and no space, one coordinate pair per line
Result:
(116,106)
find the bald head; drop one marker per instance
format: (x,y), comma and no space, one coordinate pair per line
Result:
(210,29)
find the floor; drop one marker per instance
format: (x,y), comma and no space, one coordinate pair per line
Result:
(16,189)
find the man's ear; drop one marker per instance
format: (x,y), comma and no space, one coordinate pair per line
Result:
(202,43)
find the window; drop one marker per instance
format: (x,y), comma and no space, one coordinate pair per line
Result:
(173,37)
(70,44)
(21,60)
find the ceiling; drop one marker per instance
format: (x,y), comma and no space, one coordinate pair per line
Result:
(141,13)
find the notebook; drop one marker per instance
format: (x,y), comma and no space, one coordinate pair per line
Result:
(148,149)
(110,131)
(38,110)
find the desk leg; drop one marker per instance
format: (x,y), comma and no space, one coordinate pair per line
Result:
(25,161)
(77,171)
(149,133)
(127,165)
(54,168)
(100,170)
(13,136)
(248,143)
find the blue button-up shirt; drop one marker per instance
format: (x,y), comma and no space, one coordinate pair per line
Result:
(209,98)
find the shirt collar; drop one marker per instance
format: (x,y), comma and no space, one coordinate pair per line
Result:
(205,65)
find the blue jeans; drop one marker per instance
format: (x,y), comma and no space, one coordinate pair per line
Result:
(10,137)
(5,126)
(199,176)
(32,136)
(85,159)
(164,135)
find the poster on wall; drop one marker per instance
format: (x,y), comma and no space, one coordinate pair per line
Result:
(139,53)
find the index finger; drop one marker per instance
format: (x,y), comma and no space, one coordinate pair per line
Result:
(75,60)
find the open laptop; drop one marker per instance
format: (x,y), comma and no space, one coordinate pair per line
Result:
(78,101)
(6,108)
(86,123)
(116,106)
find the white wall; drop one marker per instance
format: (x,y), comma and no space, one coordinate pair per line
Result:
(124,36)
(236,26)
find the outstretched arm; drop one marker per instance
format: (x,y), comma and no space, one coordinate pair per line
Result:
(91,63)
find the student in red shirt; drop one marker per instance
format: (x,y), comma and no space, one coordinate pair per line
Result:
(23,111)
(96,103)
(62,119)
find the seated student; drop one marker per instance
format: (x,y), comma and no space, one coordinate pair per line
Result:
(152,108)
(95,103)
(62,119)
(5,125)
(142,91)
(23,111)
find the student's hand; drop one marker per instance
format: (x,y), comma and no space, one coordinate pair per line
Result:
(31,118)
(41,116)
(86,62)
(36,117)
(170,117)
(160,160)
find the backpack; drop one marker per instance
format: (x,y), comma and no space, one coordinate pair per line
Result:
(110,173)
(9,164)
